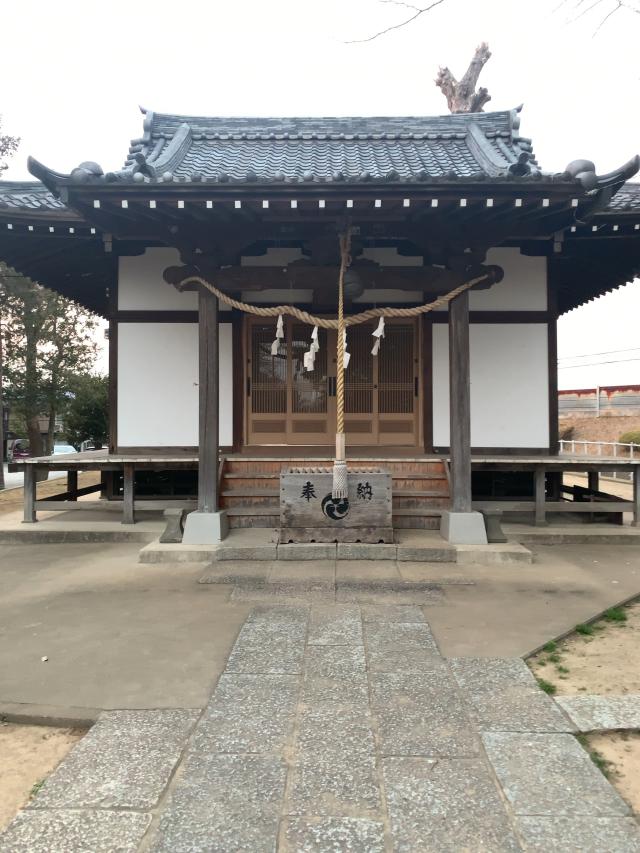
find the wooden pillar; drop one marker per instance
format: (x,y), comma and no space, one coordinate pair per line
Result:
(128,485)
(72,484)
(460,403)
(636,497)
(593,481)
(541,496)
(209,392)
(29,494)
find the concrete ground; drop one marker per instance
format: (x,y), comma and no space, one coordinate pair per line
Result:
(120,634)
(116,634)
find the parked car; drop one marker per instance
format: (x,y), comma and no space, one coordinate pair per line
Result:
(19,450)
(63,448)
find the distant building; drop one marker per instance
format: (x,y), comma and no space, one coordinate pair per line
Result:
(602,400)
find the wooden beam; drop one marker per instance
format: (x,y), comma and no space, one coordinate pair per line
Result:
(636,496)
(208,394)
(460,403)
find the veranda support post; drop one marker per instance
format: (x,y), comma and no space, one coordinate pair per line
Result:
(208,524)
(29,494)
(460,525)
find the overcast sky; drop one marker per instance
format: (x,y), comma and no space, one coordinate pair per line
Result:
(75,73)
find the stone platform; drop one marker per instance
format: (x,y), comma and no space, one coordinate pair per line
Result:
(333,728)
(410,546)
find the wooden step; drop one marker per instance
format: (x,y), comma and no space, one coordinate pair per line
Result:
(250,493)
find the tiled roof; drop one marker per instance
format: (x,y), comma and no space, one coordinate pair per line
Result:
(474,145)
(28,195)
(626,199)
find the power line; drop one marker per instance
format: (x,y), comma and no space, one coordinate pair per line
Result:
(596,363)
(608,352)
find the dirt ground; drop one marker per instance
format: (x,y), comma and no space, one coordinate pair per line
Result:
(621,752)
(28,754)
(12,499)
(604,661)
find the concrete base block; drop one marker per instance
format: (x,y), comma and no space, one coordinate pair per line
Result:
(426,554)
(205,528)
(308,551)
(494,554)
(155,552)
(247,552)
(365,551)
(463,528)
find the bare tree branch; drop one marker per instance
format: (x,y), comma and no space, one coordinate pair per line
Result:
(418,11)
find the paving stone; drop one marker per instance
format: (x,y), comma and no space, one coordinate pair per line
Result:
(290,572)
(396,593)
(334,785)
(348,688)
(279,613)
(600,713)
(400,635)
(550,774)
(579,834)
(272,632)
(125,760)
(338,835)
(223,803)
(248,713)
(366,551)
(247,729)
(445,806)
(71,831)
(392,613)
(334,661)
(483,676)
(334,731)
(300,592)
(504,696)
(405,690)
(361,571)
(262,656)
(382,659)
(335,625)
(420,715)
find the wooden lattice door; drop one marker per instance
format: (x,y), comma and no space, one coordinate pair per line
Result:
(382,392)
(288,405)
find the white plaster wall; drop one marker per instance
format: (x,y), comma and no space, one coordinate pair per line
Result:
(509,385)
(158,384)
(142,288)
(523,288)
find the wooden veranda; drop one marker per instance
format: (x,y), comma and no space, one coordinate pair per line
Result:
(549,496)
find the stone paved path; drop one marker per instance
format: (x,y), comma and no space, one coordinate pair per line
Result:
(335,728)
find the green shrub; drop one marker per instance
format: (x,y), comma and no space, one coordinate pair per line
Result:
(631,437)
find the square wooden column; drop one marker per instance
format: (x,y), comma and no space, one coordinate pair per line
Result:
(460,525)
(460,403)
(208,525)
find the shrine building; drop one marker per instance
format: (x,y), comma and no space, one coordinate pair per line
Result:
(210,401)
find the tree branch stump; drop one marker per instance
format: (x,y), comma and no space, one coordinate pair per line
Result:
(462,96)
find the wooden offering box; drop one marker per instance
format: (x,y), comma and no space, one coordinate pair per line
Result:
(308,513)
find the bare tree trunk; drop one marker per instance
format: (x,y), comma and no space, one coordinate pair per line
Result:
(36,446)
(461,95)
(51,432)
